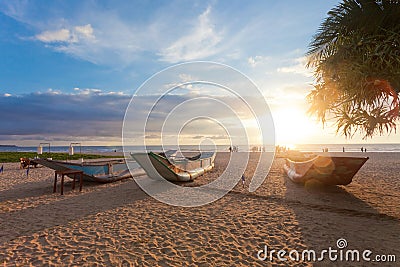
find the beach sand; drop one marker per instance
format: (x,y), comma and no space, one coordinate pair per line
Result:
(119,225)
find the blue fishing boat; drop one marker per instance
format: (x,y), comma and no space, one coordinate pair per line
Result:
(94,171)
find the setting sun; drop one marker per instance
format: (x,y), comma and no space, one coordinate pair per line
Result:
(293,126)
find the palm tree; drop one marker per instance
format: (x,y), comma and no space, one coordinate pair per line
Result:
(356,59)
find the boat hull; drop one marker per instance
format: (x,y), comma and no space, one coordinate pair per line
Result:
(101,171)
(325,170)
(159,167)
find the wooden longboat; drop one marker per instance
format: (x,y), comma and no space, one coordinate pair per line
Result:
(326,170)
(175,168)
(93,171)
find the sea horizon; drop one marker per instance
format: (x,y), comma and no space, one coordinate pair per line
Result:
(356,147)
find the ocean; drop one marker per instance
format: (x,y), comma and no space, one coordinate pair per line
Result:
(301,147)
(349,147)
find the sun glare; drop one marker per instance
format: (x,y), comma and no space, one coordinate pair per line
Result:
(293,126)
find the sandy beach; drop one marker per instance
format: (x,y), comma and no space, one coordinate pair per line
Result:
(119,225)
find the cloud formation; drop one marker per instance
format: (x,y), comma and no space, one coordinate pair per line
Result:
(106,37)
(201,41)
(298,66)
(75,35)
(257,60)
(52,114)
(95,115)
(62,35)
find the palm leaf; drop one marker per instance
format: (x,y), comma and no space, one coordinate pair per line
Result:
(356,59)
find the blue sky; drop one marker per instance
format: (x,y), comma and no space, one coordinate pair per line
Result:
(79,62)
(121,44)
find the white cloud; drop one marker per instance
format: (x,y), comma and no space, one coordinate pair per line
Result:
(62,35)
(80,92)
(51,91)
(299,67)
(7,95)
(256,60)
(187,77)
(89,33)
(96,92)
(89,91)
(108,37)
(200,43)
(85,31)
(111,42)
(75,35)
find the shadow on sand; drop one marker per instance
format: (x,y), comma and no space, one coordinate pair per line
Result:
(326,214)
(54,209)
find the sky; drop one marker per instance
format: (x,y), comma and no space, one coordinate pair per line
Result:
(68,69)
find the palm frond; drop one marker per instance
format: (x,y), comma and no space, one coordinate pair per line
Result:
(355,55)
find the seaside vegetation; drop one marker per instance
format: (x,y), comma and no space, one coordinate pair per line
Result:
(15,156)
(355,55)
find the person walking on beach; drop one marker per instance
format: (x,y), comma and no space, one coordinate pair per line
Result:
(243,180)
(362,149)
